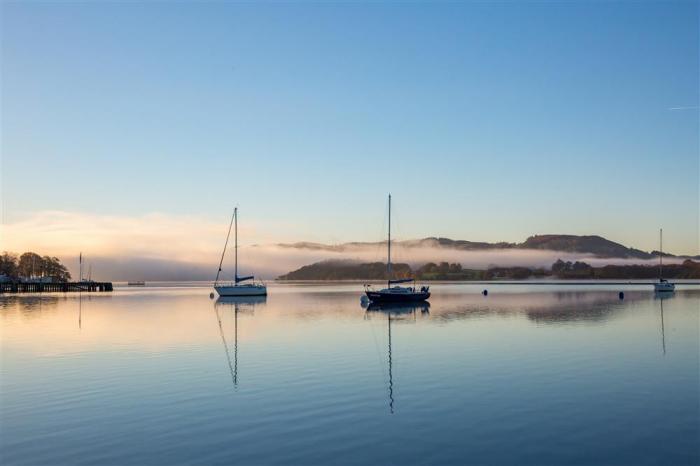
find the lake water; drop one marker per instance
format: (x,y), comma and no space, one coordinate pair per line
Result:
(526,375)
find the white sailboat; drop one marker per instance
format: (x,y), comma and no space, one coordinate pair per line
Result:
(662,285)
(237,288)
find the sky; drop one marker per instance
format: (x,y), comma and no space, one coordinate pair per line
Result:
(486,121)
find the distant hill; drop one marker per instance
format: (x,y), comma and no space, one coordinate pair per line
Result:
(595,245)
(346,270)
(351,270)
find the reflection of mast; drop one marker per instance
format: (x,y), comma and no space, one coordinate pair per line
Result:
(391,379)
(663,332)
(232,368)
(80,311)
(235,344)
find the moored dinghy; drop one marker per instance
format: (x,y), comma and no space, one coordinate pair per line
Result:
(394,293)
(237,288)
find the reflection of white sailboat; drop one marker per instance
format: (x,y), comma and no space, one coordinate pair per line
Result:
(235,302)
(237,288)
(233,368)
(662,285)
(661,297)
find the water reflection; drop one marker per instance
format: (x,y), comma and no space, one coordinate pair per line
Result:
(33,302)
(661,296)
(395,311)
(529,367)
(239,304)
(400,308)
(546,308)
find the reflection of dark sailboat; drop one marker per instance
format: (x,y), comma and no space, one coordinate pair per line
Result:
(400,308)
(239,304)
(393,311)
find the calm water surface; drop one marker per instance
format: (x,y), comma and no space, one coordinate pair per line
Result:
(527,374)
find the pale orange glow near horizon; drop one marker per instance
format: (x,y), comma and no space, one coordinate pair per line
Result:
(154,236)
(177,247)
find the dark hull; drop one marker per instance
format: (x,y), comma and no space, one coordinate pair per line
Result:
(379,297)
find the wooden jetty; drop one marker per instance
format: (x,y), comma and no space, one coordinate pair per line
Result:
(37,287)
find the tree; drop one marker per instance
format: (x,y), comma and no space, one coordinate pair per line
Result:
(52,267)
(8,265)
(30,265)
(33,265)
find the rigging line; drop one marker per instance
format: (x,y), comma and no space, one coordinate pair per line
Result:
(221,262)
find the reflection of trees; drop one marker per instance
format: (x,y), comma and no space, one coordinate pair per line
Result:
(540,307)
(29,304)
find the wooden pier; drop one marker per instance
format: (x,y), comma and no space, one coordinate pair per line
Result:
(36,287)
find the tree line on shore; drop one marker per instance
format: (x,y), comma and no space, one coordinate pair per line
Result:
(347,270)
(31,265)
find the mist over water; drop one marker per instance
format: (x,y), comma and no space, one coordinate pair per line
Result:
(271,261)
(167,247)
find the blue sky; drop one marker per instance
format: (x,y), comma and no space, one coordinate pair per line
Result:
(486,121)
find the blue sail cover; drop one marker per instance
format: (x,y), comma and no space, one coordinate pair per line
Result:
(403,280)
(242,279)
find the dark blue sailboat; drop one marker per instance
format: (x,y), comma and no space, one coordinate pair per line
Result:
(394,293)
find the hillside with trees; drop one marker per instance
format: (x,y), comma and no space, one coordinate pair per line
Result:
(349,270)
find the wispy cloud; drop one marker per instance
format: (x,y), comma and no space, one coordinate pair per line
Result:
(695,107)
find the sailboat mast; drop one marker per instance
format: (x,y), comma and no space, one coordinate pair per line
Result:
(388,262)
(235,247)
(661,251)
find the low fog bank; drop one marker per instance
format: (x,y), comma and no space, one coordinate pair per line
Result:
(269,262)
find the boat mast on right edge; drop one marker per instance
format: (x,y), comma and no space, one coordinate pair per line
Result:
(396,294)
(663,285)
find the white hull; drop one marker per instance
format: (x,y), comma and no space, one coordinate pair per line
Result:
(241,290)
(664,287)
